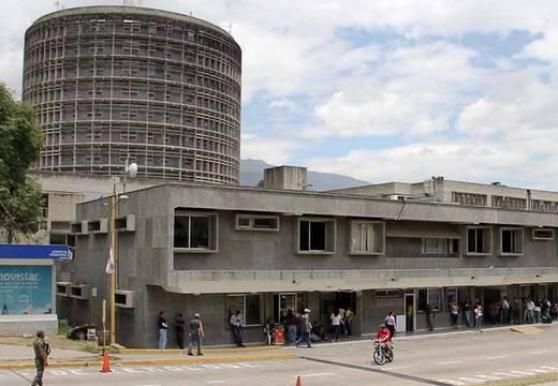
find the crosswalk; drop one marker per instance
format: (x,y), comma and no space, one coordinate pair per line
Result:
(475,379)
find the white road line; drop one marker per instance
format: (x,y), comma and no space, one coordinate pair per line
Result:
(506,374)
(215,382)
(448,362)
(389,368)
(539,352)
(489,377)
(471,379)
(496,357)
(451,382)
(521,372)
(316,375)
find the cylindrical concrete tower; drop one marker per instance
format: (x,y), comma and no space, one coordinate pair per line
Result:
(157,88)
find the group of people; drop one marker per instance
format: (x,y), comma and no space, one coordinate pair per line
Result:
(299,327)
(195,332)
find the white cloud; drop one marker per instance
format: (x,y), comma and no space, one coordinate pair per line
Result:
(275,151)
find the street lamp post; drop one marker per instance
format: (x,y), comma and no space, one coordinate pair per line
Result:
(130,170)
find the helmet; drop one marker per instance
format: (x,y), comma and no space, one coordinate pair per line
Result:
(382,325)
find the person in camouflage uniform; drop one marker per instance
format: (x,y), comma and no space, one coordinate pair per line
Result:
(40,347)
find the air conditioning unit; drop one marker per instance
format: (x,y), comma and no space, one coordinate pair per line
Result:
(79,291)
(124,298)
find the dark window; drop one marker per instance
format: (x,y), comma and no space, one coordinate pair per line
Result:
(478,240)
(200,232)
(244,222)
(304,235)
(253,312)
(265,222)
(318,236)
(512,241)
(181,231)
(422,299)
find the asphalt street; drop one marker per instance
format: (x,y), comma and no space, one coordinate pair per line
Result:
(443,359)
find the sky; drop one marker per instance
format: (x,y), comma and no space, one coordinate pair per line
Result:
(380,90)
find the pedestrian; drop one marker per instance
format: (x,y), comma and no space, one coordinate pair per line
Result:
(505,310)
(348,322)
(306,328)
(530,311)
(162,326)
(196,334)
(467,313)
(478,317)
(454,313)
(179,328)
(537,311)
(335,318)
(41,349)
(291,327)
(268,330)
(390,323)
(236,324)
(429,317)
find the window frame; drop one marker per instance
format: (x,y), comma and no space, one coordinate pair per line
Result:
(534,230)
(450,251)
(430,291)
(489,242)
(501,240)
(251,218)
(379,251)
(213,231)
(330,227)
(243,311)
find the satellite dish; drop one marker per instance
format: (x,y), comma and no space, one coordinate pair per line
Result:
(133,169)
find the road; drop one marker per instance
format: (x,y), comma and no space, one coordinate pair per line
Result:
(443,359)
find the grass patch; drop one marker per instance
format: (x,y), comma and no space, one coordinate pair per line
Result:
(526,381)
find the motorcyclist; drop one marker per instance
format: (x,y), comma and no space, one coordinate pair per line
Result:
(383,336)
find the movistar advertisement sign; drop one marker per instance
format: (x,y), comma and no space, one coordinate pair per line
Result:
(25,289)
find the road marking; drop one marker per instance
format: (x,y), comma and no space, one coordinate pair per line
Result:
(451,382)
(448,362)
(389,368)
(316,375)
(521,372)
(215,382)
(489,377)
(496,357)
(539,352)
(132,370)
(470,379)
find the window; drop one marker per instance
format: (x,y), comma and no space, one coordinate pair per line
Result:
(438,246)
(509,202)
(367,237)
(316,236)
(478,240)
(543,234)
(468,198)
(250,307)
(257,222)
(511,241)
(195,231)
(431,296)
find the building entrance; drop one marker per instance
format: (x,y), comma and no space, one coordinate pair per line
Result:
(410,312)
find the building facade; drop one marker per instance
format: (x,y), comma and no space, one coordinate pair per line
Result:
(113,84)
(197,248)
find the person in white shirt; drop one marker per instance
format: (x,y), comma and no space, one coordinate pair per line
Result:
(336,325)
(390,323)
(478,317)
(530,311)
(236,324)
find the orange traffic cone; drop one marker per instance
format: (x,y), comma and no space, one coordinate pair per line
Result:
(106,363)
(298,381)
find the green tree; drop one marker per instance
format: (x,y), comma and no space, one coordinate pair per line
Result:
(20,145)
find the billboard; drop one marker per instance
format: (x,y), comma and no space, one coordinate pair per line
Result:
(25,289)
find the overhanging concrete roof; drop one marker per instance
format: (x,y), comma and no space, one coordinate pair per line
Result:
(245,281)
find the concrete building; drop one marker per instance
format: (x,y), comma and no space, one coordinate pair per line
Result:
(440,190)
(216,249)
(113,83)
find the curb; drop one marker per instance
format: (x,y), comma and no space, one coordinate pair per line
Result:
(94,362)
(175,351)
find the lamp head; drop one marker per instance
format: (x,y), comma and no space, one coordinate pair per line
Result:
(132,169)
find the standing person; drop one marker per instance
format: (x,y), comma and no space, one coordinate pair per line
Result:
(162,326)
(306,328)
(179,328)
(505,310)
(196,334)
(454,313)
(41,349)
(537,311)
(429,317)
(478,317)
(336,325)
(530,311)
(349,322)
(236,323)
(291,327)
(467,313)
(390,323)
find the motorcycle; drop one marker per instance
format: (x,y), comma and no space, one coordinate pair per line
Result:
(380,355)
